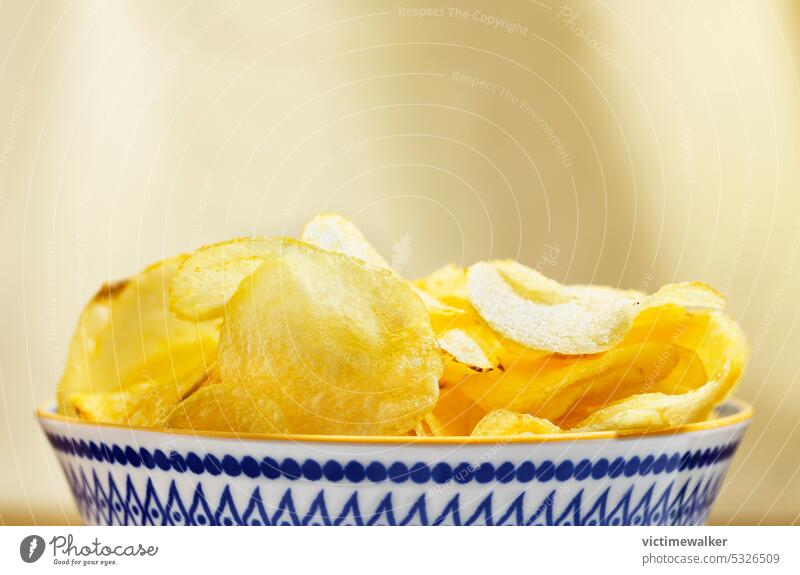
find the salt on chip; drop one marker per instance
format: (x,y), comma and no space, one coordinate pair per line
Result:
(229,407)
(521,304)
(126,334)
(652,411)
(504,422)
(343,348)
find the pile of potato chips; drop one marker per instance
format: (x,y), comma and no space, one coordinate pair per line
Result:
(321,336)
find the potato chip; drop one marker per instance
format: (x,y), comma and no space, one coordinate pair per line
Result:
(421,430)
(721,345)
(439,312)
(338,234)
(650,411)
(342,347)
(454,414)
(550,386)
(207,279)
(126,334)
(210,276)
(228,407)
(144,404)
(677,370)
(522,305)
(665,323)
(530,284)
(505,422)
(467,341)
(511,353)
(447,284)
(464,347)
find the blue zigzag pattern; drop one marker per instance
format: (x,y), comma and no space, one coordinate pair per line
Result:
(683,501)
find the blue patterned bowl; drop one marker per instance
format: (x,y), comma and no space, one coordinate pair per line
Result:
(124,476)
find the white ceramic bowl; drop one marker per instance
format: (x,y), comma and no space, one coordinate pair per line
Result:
(124,476)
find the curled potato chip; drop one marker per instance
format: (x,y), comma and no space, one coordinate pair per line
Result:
(465,349)
(468,345)
(228,407)
(521,304)
(721,345)
(144,404)
(548,387)
(338,234)
(343,348)
(505,422)
(126,334)
(467,341)
(656,410)
(677,370)
(207,279)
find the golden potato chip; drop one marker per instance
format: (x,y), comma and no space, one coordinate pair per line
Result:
(421,430)
(511,353)
(343,348)
(650,411)
(463,347)
(548,387)
(229,407)
(438,311)
(126,334)
(454,414)
(665,323)
(209,276)
(207,279)
(521,304)
(447,284)
(338,234)
(144,404)
(335,233)
(721,345)
(505,422)
(677,370)
(687,347)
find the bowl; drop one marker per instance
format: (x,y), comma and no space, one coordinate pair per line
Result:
(135,476)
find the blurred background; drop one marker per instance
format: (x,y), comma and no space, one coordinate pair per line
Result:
(625,143)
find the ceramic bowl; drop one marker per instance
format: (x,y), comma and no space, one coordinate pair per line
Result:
(124,476)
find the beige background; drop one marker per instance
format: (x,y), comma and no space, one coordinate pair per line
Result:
(629,143)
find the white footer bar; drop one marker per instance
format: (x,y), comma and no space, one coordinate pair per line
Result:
(401,550)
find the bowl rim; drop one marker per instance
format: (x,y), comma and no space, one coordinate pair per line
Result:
(743,413)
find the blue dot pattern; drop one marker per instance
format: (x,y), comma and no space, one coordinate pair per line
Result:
(396,472)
